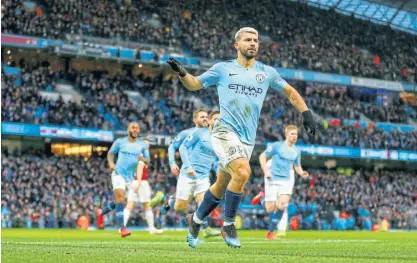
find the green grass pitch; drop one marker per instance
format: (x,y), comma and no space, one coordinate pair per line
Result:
(22,245)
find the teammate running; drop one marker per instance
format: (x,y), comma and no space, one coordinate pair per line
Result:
(131,151)
(242,85)
(198,158)
(200,120)
(142,193)
(279,178)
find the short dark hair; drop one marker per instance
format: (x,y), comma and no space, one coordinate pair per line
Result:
(213,113)
(132,122)
(195,113)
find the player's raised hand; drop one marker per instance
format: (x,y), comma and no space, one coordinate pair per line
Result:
(309,123)
(175,169)
(191,171)
(177,66)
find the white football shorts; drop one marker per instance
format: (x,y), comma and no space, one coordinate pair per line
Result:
(228,147)
(187,187)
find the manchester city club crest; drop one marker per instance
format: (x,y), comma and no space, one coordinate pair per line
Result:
(232,150)
(260,78)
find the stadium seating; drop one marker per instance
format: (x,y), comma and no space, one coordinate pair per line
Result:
(335,43)
(72,187)
(105,96)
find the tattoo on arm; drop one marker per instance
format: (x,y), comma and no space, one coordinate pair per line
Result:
(295,98)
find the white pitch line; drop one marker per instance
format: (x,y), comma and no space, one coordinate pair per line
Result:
(185,243)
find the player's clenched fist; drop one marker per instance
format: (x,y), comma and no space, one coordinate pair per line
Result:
(309,123)
(177,67)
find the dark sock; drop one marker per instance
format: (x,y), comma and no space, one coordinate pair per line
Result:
(110,206)
(119,214)
(232,202)
(205,223)
(273,221)
(278,214)
(209,203)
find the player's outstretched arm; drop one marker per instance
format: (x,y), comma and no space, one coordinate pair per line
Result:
(278,84)
(189,81)
(298,102)
(295,98)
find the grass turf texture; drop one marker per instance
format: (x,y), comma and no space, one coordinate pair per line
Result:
(21,245)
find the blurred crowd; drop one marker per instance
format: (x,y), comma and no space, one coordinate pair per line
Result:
(314,39)
(41,191)
(162,106)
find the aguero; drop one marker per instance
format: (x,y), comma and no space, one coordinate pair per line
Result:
(242,85)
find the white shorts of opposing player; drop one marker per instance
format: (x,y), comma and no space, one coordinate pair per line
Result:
(228,147)
(143,195)
(187,187)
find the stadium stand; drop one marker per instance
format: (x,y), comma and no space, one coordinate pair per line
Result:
(336,43)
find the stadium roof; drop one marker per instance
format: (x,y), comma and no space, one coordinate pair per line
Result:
(399,14)
(408,5)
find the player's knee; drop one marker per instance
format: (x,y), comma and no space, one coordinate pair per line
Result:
(242,175)
(119,197)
